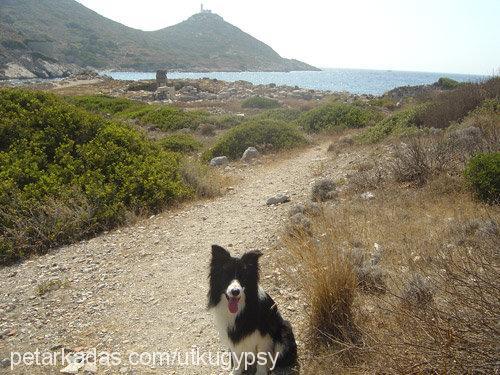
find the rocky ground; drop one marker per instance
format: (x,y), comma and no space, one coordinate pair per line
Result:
(142,288)
(184,91)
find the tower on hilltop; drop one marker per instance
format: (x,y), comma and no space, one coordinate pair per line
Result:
(203,10)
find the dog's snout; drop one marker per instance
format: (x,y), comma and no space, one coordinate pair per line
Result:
(235,292)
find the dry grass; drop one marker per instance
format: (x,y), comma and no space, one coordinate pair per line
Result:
(439,262)
(328,279)
(206,182)
(454,105)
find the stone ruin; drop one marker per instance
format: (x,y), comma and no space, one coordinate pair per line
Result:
(161,78)
(163,92)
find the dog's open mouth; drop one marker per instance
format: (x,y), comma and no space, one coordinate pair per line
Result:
(232,304)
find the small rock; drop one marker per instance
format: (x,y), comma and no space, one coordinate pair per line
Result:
(72,368)
(90,367)
(250,154)
(4,363)
(368,195)
(219,161)
(278,199)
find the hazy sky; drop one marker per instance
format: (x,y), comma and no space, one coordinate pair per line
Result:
(453,36)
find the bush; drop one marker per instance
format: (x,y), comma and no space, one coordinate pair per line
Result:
(483,175)
(65,174)
(260,103)
(328,280)
(400,123)
(169,118)
(105,105)
(323,190)
(207,130)
(453,106)
(417,292)
(334,116)
(280,114)
(411,162)
(447,83)
(205,181)
(261,134)
(225,121)
(181,143)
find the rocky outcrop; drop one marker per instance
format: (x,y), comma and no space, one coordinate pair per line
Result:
(35,66)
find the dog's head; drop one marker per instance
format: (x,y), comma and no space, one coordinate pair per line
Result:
(233,280)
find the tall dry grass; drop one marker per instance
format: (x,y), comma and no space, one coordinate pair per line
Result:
(439,307)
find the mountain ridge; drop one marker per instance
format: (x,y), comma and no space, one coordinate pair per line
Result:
(48,38)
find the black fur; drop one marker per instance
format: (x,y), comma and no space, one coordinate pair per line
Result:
(259,314)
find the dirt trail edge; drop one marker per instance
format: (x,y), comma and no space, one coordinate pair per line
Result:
(143,288)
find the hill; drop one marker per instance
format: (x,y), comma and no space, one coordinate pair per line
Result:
(46,38)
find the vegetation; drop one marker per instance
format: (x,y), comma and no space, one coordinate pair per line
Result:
(185,143)
(447,83)
(260,103)
(262,134)
(454,105)
(399,123)
(483,174)
(105,105)
(335,116)
(436,307)
(66,174)
(280,114)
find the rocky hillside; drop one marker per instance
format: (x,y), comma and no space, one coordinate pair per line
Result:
(50,38)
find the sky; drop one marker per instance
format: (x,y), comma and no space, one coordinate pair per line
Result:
(449,36)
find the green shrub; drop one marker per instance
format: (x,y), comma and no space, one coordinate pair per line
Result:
(169,118)
(260,103)
(256,133)
(483,175)
(400,123)
(106,105)
(280,114)
(225,121)
(65,174)
(181,143)
(447,83)
(335,116)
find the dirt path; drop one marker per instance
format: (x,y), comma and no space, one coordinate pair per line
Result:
(143,288)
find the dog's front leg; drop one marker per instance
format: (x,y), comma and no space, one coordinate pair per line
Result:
(237,362)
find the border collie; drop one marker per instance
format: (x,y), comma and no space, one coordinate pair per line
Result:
(247,318)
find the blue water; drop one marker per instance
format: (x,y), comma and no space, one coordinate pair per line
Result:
(356,81)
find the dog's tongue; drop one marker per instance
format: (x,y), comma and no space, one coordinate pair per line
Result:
(233,305)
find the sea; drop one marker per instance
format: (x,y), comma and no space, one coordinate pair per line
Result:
(356,81)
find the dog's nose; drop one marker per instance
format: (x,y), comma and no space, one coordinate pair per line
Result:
(235,292)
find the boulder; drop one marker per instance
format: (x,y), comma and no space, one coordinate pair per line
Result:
(250,154)
(219,161)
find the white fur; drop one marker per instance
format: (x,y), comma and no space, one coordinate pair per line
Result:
(254,343)
(235,284)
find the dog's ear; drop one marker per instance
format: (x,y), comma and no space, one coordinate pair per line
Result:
(219,254)
(251,257)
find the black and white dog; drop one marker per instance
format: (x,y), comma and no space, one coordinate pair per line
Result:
(246,316)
